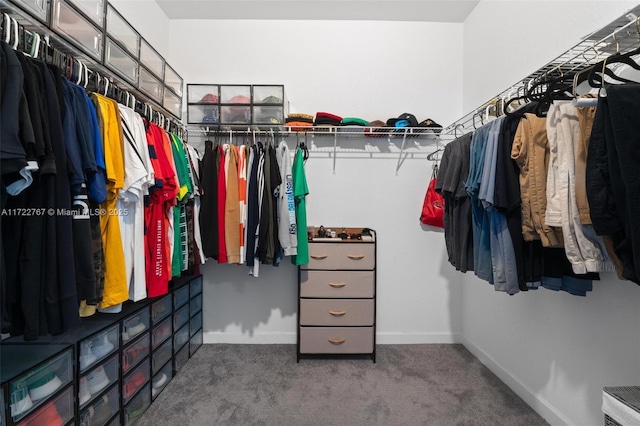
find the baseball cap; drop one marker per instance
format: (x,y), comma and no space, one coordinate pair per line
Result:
(101,345)
(404,120)
(97,380)
(45,386)
(209,98)
(272,100)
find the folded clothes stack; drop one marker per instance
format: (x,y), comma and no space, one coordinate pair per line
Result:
(327,119)
(353,121)
(299,121)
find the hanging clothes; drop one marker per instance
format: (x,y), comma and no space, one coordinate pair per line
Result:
(116,289)
(585,250)
(139,177)
(222,197)
(287,232)
(450,183)
(300,192)
(612,169)
(209,200)
(162,197)
(232,205)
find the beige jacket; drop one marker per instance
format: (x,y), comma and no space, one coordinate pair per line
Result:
(530,150)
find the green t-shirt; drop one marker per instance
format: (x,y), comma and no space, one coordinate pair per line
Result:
(180,240)
(300,191)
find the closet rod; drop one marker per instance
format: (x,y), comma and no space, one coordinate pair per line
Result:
(621,35)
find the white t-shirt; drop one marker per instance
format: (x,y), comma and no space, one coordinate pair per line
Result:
(138,178)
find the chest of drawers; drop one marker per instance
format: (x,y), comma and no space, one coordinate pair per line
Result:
(337,298)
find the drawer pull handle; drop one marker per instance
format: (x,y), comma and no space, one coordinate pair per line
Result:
(355,256)
(337,341)
(337,313)
(319,256)
(337,284)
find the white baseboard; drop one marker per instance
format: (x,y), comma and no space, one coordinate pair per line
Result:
(290,338)
(383,338)
(246,338)
(540,405)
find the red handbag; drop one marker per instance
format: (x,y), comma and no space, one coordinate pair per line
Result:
(433,205)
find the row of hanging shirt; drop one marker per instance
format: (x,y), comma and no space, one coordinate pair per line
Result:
(253,204)
(96,202)
(548,197)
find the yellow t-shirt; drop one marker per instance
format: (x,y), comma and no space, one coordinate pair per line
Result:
(116,288)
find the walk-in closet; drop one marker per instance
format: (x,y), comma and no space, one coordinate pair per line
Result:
(319,212)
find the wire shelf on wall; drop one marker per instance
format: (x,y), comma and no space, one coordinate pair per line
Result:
(345,142)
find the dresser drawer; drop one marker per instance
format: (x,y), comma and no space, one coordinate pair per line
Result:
(336,340)
(336,312)
(322,256)
(332,256)
(356,256)
(339,284)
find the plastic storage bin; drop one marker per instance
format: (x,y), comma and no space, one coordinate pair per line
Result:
(172,80)
(135,353)
(180,317)
(160,356)
(135,380)
(96,348)
(97,380)
(203,94)
(37,8)
(138,405)
(119,29)
(195,342)
(235,94)
(151,85)
(235,114)
(195,305)
(180,297)
(172,103)
(196,286)
(160,309)
(102,409)
(268,115)
(203,114)
(121,62)
(195,323)
(181,358)
(180,338)
(161,379)
(160,333)
(268,94)
(65,20)
(94,9)
(151,59)
(134,325)
(58,411)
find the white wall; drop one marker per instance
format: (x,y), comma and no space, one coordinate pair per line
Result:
(504,41)
(346,68)
(555,350)
(373,70)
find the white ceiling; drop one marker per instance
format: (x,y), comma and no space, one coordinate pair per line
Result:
(352,10)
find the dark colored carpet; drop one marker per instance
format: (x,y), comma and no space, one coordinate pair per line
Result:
(409,385)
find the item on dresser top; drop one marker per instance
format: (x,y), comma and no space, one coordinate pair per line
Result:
(87,357)
(45,386)
(20,399)
(97,380)
(101,345)
(84,394)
